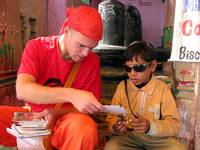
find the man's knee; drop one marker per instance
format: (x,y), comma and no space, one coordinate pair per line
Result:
(84,124)
(77,123)
(75,128)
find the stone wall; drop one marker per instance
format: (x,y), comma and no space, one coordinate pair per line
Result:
(10,48)
(34,20)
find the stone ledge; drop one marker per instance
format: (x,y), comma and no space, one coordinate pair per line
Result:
(113,72)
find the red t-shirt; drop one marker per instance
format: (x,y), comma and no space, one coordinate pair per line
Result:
(41,58)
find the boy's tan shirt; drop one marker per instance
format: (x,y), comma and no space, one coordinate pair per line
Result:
(154,101)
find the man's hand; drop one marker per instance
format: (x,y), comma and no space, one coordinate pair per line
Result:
(85,101)
(139,123)
(51,115)
(119,128)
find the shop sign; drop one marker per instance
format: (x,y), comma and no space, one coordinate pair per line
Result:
(186,36)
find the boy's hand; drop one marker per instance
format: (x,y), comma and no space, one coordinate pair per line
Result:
(119,128)
(139,123)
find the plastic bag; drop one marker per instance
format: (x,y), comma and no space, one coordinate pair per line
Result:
(33,143)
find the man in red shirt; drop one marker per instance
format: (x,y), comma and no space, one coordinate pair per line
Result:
(45,65)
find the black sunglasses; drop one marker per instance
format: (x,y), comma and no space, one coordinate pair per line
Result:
(136,68)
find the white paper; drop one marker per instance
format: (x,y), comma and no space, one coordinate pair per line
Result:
(115,109)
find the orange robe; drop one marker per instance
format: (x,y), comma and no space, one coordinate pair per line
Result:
(75,131)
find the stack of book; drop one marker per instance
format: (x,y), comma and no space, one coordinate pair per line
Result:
(28,125)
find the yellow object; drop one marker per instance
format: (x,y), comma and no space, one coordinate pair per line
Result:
(154,102)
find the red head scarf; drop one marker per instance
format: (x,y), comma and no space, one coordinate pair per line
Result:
(85,20)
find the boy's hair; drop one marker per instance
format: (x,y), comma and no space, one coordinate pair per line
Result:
(141,49)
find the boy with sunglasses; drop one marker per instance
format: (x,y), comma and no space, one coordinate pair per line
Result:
(152,119)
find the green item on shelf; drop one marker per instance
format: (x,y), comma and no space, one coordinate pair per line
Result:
(85,1)
(168,35)
(7,148)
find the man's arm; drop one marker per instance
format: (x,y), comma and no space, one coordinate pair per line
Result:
(27,89)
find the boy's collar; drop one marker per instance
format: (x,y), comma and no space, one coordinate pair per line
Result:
(143,84)
(148,87)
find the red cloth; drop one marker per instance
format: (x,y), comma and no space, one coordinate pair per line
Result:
(85,20)
(41,53)
(6,116)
